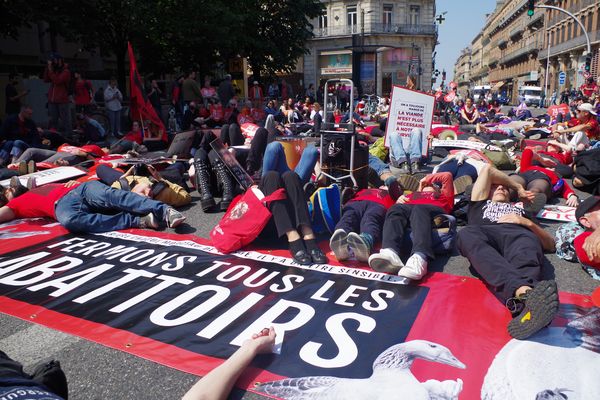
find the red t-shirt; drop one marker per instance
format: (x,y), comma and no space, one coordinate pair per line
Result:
(581,254)
(379,196)
(134,137)
(82,92)
(39,202)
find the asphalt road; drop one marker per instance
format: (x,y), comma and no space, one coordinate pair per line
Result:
(97,372)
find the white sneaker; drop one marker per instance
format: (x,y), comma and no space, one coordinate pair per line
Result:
(339,244)
(387,260)
(415,268)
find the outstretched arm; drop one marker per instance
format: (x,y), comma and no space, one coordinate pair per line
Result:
(218,383)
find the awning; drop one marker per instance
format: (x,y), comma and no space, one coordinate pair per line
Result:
(498,85)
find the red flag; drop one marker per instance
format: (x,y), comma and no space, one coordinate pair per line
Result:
(141,109)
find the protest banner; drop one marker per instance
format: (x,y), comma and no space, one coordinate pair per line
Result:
(49,175)
(409,109)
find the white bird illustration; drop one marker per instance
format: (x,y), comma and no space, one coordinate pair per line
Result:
(556,357)
(391,378)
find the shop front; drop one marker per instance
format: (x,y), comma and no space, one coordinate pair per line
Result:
(335,65)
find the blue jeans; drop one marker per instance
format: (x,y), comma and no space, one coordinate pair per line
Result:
(12,148)
(274,160)
(414,151)
(114,118)
(91,207)
(379,166)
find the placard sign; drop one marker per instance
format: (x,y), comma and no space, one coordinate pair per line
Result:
(409,109)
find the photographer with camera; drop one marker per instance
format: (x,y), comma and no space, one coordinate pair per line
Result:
(58,75)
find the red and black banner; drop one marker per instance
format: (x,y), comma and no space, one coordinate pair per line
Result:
(140,106)
(341,332)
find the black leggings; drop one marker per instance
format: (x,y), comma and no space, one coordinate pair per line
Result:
(288,214)
(231,134)
(533,183)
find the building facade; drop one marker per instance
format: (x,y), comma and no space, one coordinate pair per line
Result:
(380,41)
(462,72)
(515,49)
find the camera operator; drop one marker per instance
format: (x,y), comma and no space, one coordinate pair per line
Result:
(58,75)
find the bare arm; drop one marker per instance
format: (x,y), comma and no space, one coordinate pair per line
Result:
(489,176)
(217,383)
(6,214)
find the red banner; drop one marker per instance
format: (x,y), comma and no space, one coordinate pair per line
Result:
(141,109)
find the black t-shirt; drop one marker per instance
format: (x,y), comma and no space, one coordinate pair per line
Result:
(27,393)
(487,212)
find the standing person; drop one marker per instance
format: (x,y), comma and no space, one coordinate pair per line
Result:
(506,249)
(209,93)
(226,90)
(154,94)
(273,90)
(112,100)
(177,100)
(553,98)
(256,95)
(13,97)
(286,90)
(58,75)
(310,93)
(82,92)
(190,89)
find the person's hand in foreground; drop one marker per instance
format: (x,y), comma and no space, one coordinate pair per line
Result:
(217,384)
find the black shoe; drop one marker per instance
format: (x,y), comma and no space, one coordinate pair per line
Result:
(207,202)
(226,181)
(302,257)
(536,205)
(534,310)
(317,256)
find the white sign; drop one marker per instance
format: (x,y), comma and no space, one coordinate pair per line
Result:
(49,175)
(464,144)
(336,71)
(533,76)
(409,109)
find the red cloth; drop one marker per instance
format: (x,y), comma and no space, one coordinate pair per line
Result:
(175,94)
(564,158)
(581,254)
(256,93)
(59,85)
(445,200)
(379,196)
(140,106)
(527,165)
(39,202)
(588,90)
(88,148)
(82,92)
(134,137)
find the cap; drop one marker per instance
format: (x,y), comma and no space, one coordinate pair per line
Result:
(586,206)
(587,107)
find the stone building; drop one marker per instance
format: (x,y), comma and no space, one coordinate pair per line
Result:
(462,72)
(382,41)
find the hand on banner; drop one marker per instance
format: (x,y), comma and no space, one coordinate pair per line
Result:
(402,200)
(591,246)
(71,184)
(572,201)
(262,342)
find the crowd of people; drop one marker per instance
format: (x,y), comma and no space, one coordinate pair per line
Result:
(400,222)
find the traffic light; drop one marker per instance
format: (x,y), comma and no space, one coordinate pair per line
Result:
(588,63)
(443,75)
(530,6)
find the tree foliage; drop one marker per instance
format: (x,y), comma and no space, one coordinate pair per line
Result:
(179,34)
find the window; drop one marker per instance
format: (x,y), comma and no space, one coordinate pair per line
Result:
(323,21)
(352,16)
(387,15)
(569,36)
(414,15)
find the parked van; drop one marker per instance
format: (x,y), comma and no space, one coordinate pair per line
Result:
(480,92)
(531,95)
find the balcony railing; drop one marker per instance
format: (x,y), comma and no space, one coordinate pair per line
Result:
(379,28)
(529,48)
(569,44)
(574,8)
(516,31)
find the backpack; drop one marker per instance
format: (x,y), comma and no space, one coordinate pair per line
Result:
(325,208)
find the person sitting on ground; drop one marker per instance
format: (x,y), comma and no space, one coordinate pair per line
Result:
(18,132)
(217,384)
(291,217)
(131,141)
(584,129)
(64,155)
(468,113)
(415,211)
(506,249)
(408,160)
(361,225)
(91,207)
(89,129)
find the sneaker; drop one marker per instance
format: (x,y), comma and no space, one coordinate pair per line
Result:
(461,183)
(31,167)
(31,183)
(415,167)
(409,182)
(149,222)
(387,260)
(536,136)
(415,268)
(174,218)
(360,246)
(534,310)
(22,170)
(339,244)
(536,205)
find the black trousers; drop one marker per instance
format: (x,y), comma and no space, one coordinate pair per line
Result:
(292,212)
(506,256)
(418,218)
(258,145)
(363,217)
(231,134)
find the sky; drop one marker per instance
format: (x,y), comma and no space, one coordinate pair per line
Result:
(464,19)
